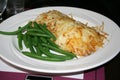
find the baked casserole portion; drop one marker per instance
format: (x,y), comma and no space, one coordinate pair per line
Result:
(72,35)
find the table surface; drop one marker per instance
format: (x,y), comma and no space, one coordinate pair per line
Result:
(108,8)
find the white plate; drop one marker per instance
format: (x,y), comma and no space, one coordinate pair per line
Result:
(10,53)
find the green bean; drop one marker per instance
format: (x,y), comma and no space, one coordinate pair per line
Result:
(43,50)
(35,25)
(43,39)
(52,43)
(59,50)
(35,30)
(20,38)
(30,26)
(35,40)
(40,41)
(41,57)
(43,27)
(48,32)
(38,51)
(25,40)
(17,31)
(30,45)
(36,45)
(47,52)
(37,34)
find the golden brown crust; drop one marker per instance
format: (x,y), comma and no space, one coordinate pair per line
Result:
(71,35)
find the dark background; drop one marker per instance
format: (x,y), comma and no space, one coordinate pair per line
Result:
(108,8)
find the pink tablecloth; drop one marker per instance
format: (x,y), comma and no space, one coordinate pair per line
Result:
(96,74)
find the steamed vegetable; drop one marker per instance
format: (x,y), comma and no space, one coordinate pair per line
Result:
(40,42)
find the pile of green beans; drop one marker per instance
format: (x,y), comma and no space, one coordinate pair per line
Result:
(40,41)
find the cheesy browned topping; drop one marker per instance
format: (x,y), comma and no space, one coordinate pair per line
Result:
(72,35)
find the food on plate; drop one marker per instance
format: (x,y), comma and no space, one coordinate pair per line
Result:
(53,32)
(39,42)
(72,35)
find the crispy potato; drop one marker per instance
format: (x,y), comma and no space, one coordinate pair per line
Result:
(72,35)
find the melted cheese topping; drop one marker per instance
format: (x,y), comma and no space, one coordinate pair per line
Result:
(72,35)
